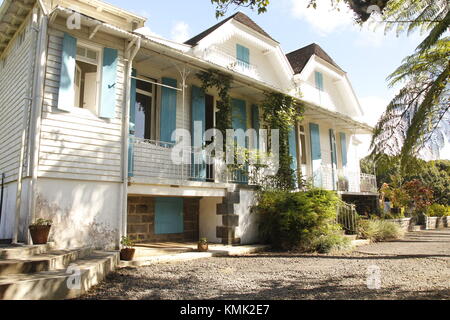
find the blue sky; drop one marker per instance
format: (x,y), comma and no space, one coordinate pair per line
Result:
(368,57)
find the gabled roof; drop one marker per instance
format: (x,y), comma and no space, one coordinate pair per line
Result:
(299,58)
(239,17)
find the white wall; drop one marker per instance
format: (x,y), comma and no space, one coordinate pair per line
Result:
(84,213)
(78,144)
(209,220)
(15,82)
(248,226)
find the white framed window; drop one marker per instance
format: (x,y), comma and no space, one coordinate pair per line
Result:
(146,108)
(87,77)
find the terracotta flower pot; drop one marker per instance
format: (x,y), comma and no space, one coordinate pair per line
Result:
(203,247)
(39,234)
(127,254)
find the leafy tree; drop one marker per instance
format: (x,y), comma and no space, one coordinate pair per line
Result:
(433,174)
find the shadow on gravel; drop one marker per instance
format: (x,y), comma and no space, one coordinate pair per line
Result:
(368,257)
(130,287)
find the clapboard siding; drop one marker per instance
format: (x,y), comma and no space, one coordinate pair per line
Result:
(15,76)
(78,144)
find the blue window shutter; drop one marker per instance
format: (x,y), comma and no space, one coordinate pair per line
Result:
(198,114)
(243,54)
(66,97)
(109,79)
(239,121)
(168,119)
(293,148)
(333,156)
(169,217)
(239,114)
(319,80)
(316,154)
(256,124)
(343,139)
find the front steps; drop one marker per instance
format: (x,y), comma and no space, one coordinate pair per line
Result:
(39,272)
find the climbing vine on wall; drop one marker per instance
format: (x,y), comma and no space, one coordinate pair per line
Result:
(222,82)
(282,112)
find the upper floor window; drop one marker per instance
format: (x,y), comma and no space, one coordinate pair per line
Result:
(87,78)
(319,80)
(243,56)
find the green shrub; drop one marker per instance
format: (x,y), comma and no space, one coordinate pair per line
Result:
(379,230)
(294,220)
(438,210)
(329,242)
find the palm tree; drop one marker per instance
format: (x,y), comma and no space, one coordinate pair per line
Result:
(418,117)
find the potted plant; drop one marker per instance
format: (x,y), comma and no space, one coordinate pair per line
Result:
(40,230)
(203,245)
(127,253)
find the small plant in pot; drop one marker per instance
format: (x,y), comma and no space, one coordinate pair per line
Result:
(127,253)
(40,230)
(203,245)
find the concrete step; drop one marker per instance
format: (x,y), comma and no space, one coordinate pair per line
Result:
(351,237)
(53,285)
(214,251)
(417,228)
(52,260)
(24,251)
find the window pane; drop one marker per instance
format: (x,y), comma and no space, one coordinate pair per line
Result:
(86,86)
(92,55)
(143,116)
(142,85)
(81,51)
(303,147)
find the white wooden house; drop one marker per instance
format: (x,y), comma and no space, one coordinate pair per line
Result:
(88,104)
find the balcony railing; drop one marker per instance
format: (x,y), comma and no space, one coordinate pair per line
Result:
(344,180)
(321,98)
(221,58)
(155,161)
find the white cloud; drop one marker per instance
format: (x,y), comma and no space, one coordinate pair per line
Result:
(327,19)
(324,19)
(180,32)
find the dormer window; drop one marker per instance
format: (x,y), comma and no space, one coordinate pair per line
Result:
(319,80)
(243,56)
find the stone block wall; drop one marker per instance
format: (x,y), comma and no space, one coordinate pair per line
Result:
(141,221)
(432,223)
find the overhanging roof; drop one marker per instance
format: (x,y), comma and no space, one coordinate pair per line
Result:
(12,15)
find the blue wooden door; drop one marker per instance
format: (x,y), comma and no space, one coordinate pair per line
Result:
(316,154)
(239,121)
(169,218)
(198,116)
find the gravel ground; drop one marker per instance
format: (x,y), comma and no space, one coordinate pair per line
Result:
(417,267)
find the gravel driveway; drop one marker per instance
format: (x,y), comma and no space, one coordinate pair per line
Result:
(417,267)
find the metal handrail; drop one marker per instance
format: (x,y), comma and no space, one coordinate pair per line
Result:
(347,217)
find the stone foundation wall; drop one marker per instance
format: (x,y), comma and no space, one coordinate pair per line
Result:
(141,219)
(432,223)
(406,224)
